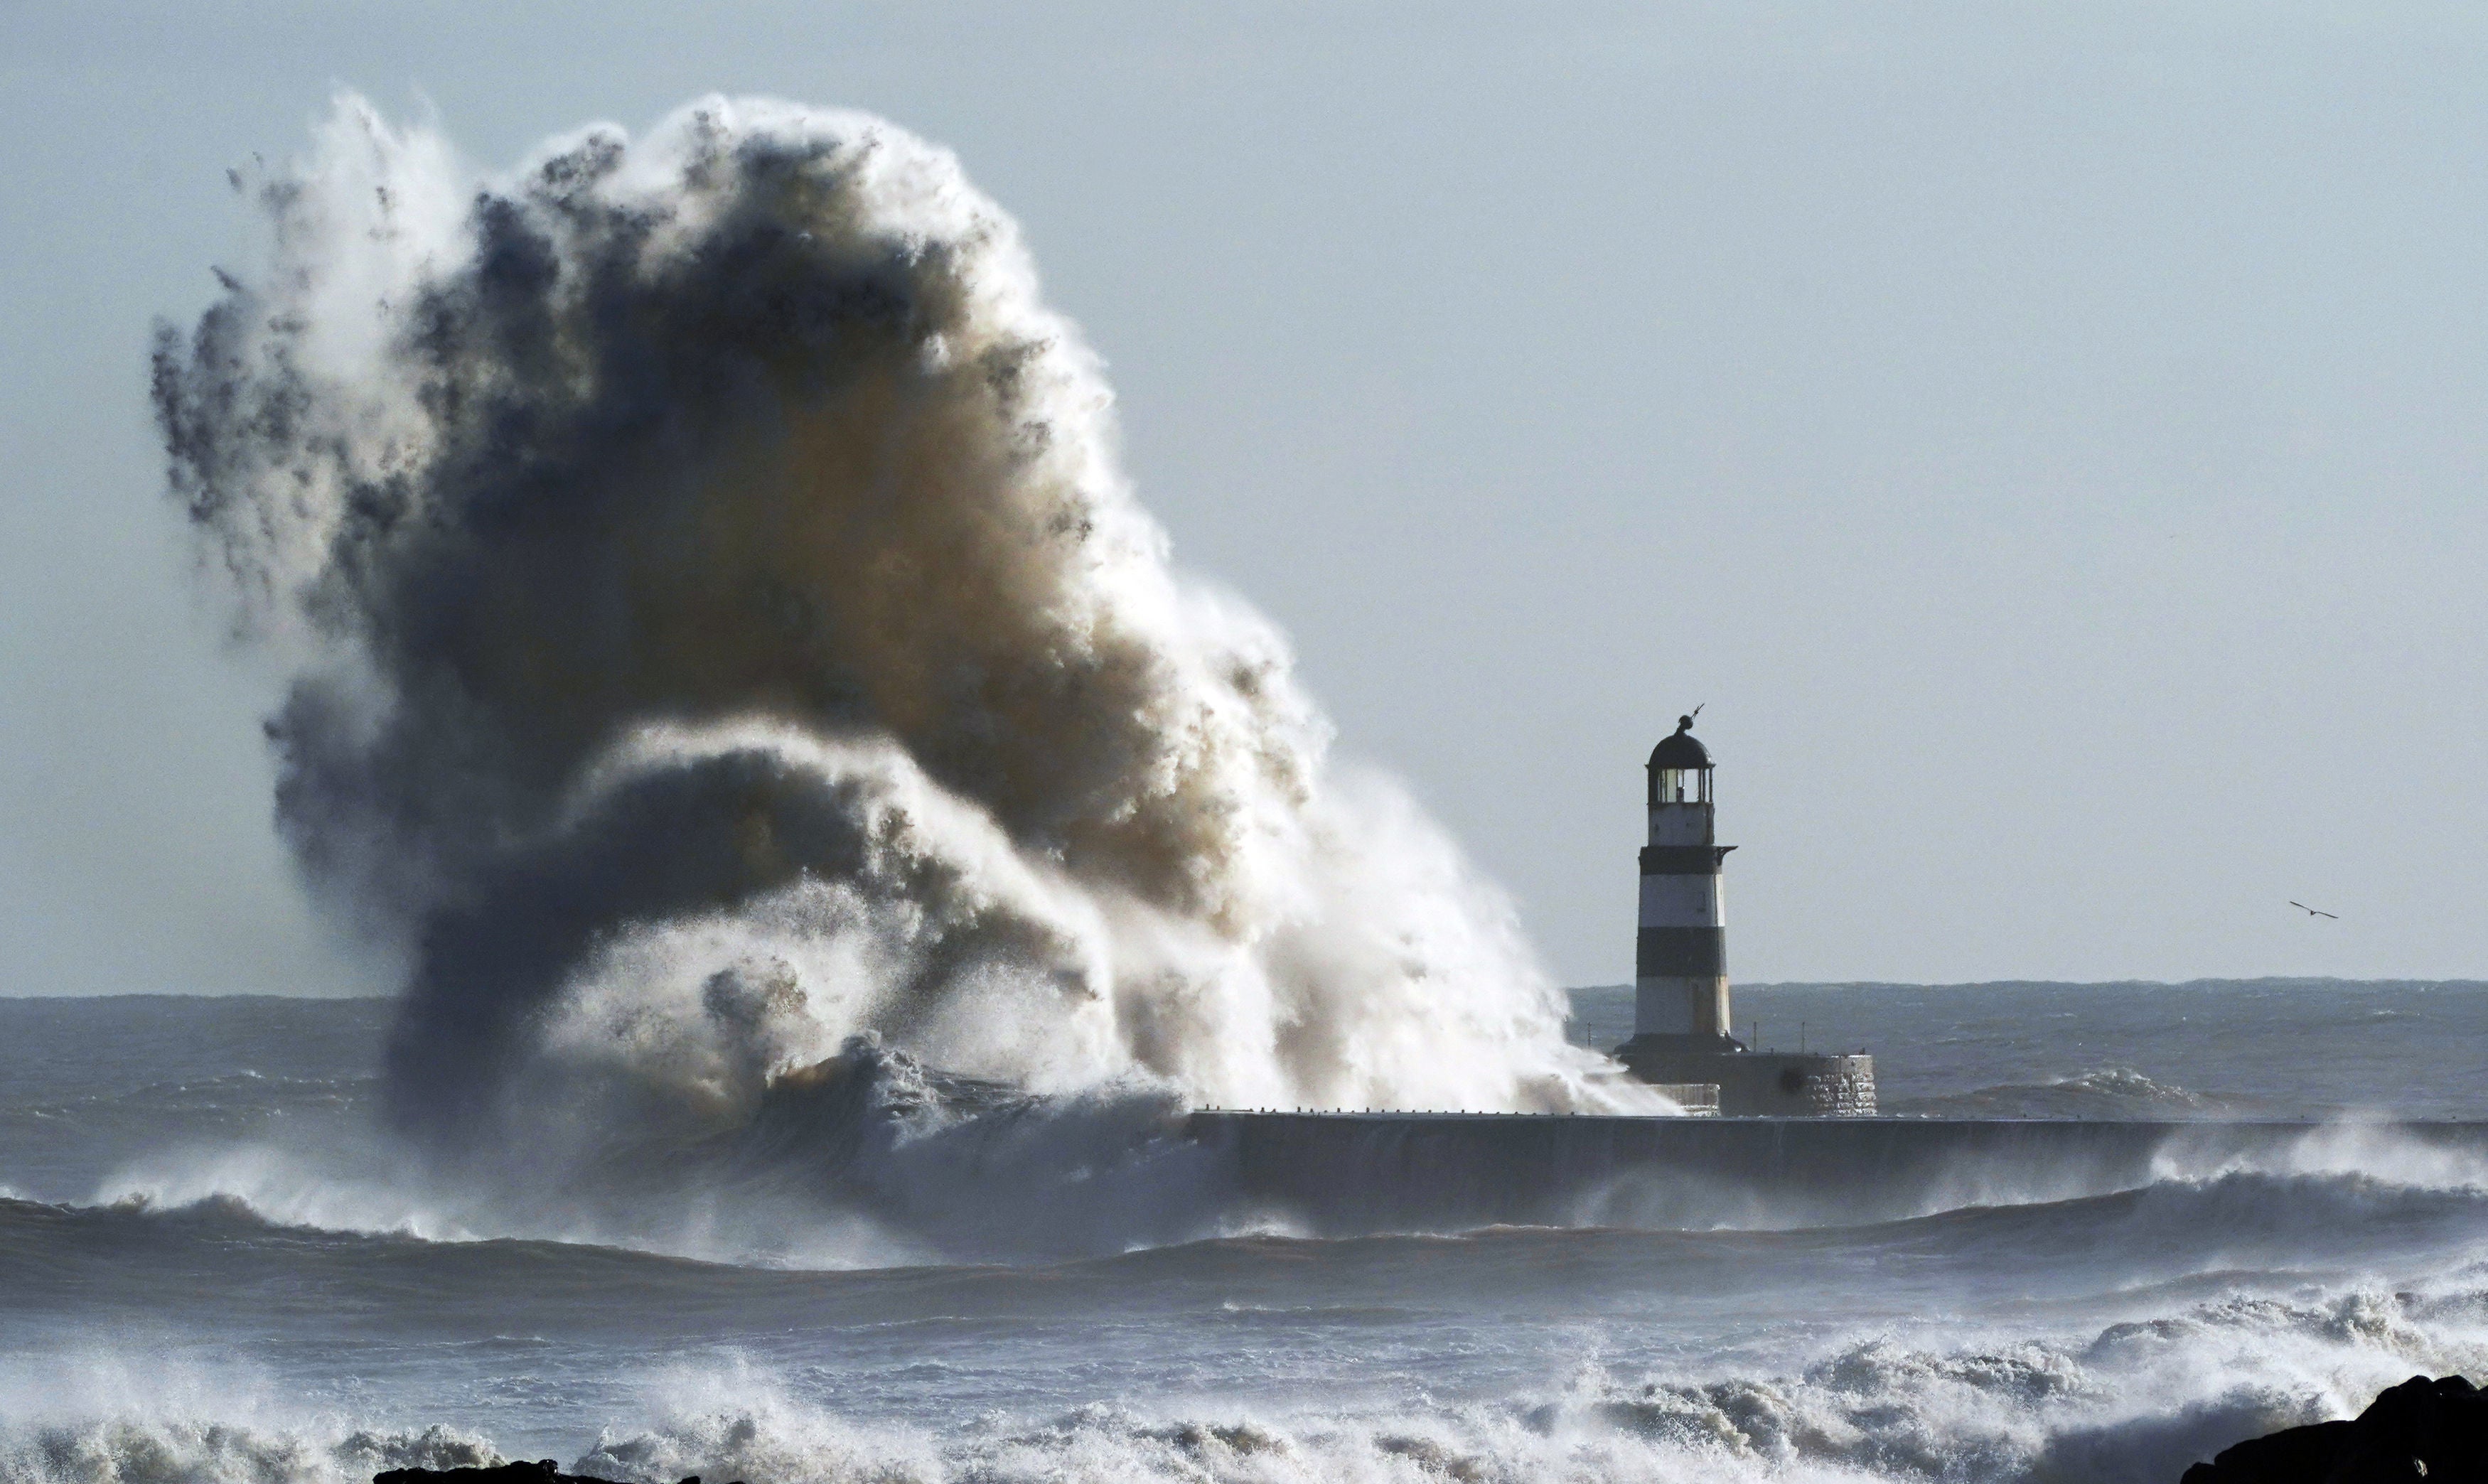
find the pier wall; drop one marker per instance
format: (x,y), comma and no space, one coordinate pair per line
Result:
(1344,1173)
(1759,1083)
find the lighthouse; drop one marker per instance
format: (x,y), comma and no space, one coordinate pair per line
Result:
(1681,953)
(1682,1038)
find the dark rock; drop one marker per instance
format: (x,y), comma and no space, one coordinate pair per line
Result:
(542,1471)
(2422,1429)
(517,1471)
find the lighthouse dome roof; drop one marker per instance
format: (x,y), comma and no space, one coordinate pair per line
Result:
(1680,752)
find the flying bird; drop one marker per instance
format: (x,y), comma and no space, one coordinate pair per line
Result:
(2312,912)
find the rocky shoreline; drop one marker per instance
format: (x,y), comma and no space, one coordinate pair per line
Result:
(2432,1429)
(542,1471)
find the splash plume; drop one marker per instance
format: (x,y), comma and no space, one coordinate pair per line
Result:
(718,628)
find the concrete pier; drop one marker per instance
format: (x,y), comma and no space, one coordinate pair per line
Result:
(1335,1174)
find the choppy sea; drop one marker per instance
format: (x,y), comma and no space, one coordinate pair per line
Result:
(187,1291)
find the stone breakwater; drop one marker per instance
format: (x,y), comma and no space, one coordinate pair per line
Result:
(1348,1174)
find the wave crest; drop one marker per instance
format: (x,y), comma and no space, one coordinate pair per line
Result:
(140,1450)
(2101,1092)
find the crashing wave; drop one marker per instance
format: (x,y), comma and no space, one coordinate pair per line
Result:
(182,1450)
(2136,1400)
(719,629)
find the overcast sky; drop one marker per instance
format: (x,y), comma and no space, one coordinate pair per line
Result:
(2047,438)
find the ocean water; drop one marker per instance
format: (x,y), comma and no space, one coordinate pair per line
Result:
(2212,1048)
(212,1268)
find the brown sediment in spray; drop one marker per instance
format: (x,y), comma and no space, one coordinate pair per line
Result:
(705,564)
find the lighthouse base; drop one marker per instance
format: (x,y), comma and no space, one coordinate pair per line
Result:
(1780,1084)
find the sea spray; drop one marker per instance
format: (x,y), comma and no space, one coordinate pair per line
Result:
(720,628)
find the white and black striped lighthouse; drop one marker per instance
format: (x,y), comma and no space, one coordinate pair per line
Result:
(1681,956)
(1681,1037)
